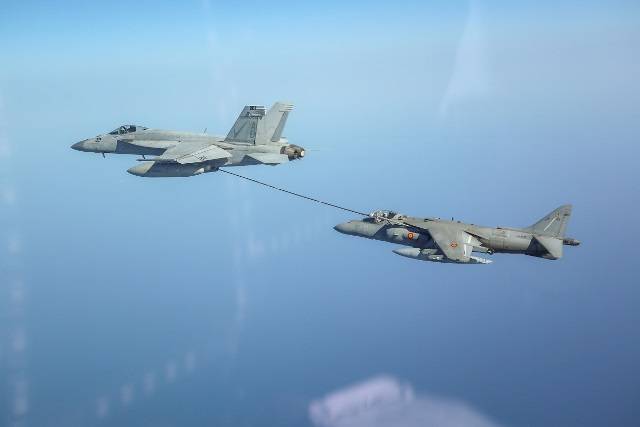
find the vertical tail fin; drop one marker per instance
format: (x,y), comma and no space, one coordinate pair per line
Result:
(246,125)
(554,223)
(272,124)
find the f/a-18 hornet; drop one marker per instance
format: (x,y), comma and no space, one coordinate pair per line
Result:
(434,239)
(255,138)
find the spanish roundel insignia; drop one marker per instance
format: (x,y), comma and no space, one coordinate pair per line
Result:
(454,244)
(410,236)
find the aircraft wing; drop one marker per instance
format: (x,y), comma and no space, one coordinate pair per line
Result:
(269,158)
(193,152)
(453,243)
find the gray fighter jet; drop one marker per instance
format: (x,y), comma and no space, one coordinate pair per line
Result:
(434,239)
(255,138)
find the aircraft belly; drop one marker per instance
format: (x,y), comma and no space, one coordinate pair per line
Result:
(517,244)
(496,243)
(498,239)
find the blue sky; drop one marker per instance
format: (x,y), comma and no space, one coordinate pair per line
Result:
(212,301)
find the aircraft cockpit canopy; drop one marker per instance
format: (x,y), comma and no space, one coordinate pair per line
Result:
(126,129)
(381,215)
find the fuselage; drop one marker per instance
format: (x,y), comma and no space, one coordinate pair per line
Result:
(154,142)
(413,232)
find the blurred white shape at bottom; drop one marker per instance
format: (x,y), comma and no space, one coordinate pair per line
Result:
(149,383)
(170,371)
(126,394)
(102,409)
(384,401)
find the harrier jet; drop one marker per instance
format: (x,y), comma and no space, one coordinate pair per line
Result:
(434,239)
(255,138)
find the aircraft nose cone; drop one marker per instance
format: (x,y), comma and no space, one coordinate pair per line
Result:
(344,228)
(79,146)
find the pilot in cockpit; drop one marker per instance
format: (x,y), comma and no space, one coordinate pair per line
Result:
(379,216)
(125,129)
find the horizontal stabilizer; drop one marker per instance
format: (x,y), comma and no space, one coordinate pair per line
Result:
(269,158)
(551,245)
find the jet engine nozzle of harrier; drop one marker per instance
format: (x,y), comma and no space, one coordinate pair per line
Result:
(292,151)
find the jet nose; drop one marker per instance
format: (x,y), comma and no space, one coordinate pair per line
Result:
(345,228)
(80,146)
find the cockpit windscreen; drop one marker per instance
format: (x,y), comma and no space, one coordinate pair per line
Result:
(126,129)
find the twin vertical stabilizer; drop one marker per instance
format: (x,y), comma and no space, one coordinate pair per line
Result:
(246,125)
(254,126)
(271,126)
